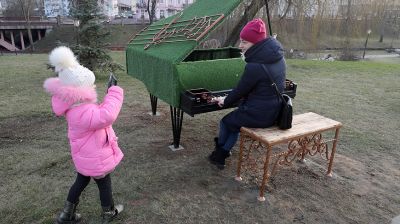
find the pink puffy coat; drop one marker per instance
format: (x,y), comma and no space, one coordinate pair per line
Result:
(94,146)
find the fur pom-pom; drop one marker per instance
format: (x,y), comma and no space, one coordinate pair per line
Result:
(62,57)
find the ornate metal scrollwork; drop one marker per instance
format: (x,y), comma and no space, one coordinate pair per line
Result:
(177,30)
(253,159)
(254,155)
(310,145)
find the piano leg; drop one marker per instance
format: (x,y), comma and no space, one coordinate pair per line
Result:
(153,101)
(176,118)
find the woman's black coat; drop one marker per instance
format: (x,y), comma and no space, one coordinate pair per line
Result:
(260,105)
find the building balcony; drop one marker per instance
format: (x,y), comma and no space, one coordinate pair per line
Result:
(174,7)
(141,5)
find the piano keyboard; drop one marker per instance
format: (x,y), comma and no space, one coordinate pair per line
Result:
(197,101)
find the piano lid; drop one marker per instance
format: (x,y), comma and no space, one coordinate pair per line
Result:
(174,38)
(158,54)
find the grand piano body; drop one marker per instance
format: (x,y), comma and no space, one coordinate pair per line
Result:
(168,59)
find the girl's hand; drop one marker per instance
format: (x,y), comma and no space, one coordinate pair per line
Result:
(112,80)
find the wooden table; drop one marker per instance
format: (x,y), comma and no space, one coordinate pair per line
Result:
(305,137)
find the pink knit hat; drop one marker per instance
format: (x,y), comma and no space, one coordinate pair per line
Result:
(254,31)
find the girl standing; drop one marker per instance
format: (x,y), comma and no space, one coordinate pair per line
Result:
(94,147)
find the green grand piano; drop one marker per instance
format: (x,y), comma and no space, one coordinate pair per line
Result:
(170,59)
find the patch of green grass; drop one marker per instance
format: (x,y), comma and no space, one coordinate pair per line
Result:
(119,36)
(360,94)
(22,78)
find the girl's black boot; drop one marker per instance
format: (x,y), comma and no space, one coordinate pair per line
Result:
(110,212)
(68,215)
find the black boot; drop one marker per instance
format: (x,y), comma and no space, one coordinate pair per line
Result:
(219,158)
(211,157)
(68,215)
(217,147)
(110,212)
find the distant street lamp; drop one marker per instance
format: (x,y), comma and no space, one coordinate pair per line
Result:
(76,25)
(366,42)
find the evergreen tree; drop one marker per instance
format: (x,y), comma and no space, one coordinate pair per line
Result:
(91,37)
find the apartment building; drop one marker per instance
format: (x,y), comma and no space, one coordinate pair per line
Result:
(3,6)
(114,8)
(109,7)
(127,5)
(54,8)
(165,8)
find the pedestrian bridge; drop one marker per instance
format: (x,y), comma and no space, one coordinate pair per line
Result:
(14,35)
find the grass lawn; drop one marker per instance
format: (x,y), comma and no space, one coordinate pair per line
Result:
(119,36)
(160,186)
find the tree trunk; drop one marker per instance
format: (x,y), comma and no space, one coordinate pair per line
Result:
(346,54)
(26,11)
(382,30)
(251,9)
(151,10)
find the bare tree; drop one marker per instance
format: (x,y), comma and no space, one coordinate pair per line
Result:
(382,9)
(151,10)
(395,29)
(288,6)
(346,53)
(251,9)
(22,8)
(316,23)
(26,7)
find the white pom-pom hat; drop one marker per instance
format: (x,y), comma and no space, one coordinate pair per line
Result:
(70,72)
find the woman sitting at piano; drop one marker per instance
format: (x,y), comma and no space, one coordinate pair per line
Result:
(260,105)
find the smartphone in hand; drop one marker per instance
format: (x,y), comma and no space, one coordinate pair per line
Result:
(112,80)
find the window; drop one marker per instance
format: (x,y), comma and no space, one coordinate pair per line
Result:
(162,15)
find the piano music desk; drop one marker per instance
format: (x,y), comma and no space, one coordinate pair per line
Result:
(258,158)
